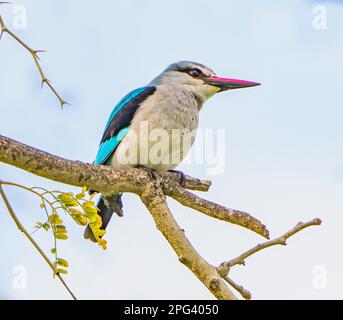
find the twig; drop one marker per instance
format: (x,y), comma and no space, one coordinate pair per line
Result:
(243,292)
(214,210)
(34,54)
(23,230)
(225,267)
(188,182)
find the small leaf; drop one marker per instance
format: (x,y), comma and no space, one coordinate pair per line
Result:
(91,211)
(62,271)
(53,250)
(88,204)
(46,226)
(103,244)
(95,220)
(60,236)
(81,220)
(61,229)
(38,225)
(80,196)
(55,219)
(68,200)
(62,263)
(101,233)
(76,212)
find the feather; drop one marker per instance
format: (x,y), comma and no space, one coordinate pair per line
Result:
(119,122)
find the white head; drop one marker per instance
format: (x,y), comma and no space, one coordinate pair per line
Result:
(199,79)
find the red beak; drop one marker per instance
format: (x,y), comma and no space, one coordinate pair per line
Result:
(229,84)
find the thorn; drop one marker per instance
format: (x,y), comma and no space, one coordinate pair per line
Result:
(38,51)
(35,52)
(2,32)
(64,103)
(44,81)
(3,28)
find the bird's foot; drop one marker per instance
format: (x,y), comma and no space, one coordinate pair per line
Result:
(151,172)
(183,178)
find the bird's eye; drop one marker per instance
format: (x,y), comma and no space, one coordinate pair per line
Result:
(195,73)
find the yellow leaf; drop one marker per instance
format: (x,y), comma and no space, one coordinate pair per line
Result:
(62,271)
(76,212)
(55,219)
(95,220)
(62,263)
(103,244)
(91,211)
(80,196)
(101,233)
(68,200)
(38,225)
(46,227)
(81,220)
(60,236)
(88,204)
(61,230)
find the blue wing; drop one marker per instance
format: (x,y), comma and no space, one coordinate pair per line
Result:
(119,122)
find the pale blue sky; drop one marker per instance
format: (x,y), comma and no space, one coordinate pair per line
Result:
(284,160)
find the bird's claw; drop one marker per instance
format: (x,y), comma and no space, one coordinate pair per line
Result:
(151,172)
(182,177)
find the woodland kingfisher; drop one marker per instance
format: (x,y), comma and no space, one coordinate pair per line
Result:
(170,103)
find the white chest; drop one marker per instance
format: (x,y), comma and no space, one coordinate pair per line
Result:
(162,132)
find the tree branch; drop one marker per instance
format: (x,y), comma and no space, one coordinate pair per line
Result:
(104,179)
(243,292)
(154,199)
(152,192)
(186,198)
(109,181)
(34,54)
(35,244)
(225,267)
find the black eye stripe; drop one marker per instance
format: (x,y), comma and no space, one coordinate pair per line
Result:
(198,71)
(194,72)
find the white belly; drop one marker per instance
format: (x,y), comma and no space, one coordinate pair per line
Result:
(161,134)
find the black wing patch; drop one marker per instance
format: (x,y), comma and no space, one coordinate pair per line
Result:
(126,113)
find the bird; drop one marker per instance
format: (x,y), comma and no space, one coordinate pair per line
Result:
(169,103)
